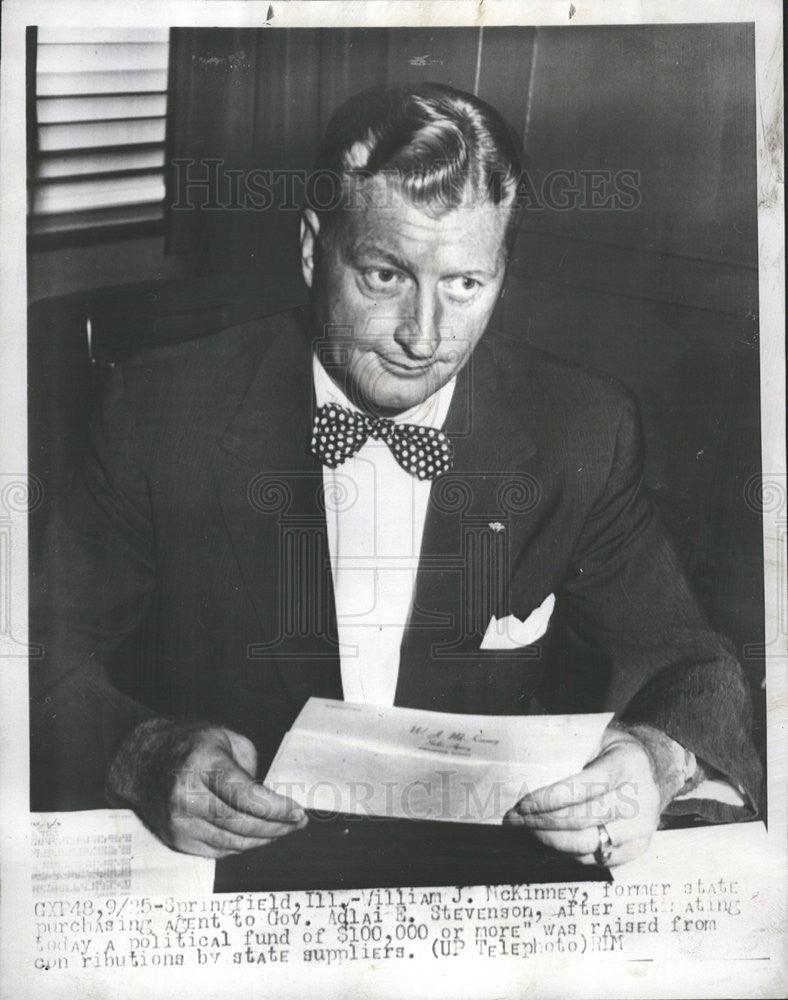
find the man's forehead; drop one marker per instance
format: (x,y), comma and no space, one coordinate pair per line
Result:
(397,222)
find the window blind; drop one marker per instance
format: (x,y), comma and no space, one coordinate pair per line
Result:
(101,106)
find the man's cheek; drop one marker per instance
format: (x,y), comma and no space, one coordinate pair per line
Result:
(369,320)
(458,340)
(376,325)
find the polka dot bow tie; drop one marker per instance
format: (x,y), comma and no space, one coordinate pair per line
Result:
(339,433)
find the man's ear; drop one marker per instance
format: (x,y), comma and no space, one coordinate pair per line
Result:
(310,227)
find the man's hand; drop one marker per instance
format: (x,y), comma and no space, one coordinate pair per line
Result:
(617,789)
(195,788)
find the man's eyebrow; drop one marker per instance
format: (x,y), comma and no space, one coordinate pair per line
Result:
(379,253)
(372,250)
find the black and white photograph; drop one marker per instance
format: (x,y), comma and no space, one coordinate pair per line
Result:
(394,523)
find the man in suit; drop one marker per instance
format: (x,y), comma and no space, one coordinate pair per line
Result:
(381,500)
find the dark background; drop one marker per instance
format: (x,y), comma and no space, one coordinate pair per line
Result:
(663,296)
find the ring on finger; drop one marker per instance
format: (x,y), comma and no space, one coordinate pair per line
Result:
(604,849)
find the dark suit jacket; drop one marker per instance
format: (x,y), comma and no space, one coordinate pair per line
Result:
(199,512)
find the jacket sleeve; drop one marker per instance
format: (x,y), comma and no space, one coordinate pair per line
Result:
(627,598)
(92,591)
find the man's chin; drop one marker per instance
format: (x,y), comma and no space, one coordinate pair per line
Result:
(390,392)
(389,396)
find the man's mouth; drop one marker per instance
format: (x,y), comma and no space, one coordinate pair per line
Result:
(399,368)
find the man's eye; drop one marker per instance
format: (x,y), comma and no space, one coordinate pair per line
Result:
(381,279)
(463,287)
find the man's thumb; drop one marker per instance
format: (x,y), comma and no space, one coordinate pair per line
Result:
(243,752)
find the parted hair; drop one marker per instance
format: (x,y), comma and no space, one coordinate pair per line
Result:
(440,145)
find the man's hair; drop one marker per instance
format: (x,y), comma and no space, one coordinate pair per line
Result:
(441,146)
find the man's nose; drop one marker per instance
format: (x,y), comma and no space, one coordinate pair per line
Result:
(419,334)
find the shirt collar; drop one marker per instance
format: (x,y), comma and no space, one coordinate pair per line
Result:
(429,413)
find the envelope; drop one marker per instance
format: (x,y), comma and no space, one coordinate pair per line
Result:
(511,632)
(409,763)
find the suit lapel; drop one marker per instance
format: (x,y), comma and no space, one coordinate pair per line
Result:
(271,496)
(469,541)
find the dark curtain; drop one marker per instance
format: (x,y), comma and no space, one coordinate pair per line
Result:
(661,292)
(258,100)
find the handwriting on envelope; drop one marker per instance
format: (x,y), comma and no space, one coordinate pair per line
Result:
(413,764)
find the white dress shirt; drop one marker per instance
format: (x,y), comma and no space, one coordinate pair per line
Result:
(375,513)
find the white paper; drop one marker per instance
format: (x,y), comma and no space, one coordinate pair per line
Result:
(107,851)
(703,852)
(414,764)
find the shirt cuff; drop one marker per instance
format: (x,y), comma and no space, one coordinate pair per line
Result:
(715,790)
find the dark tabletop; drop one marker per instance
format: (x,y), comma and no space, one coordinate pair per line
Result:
(350,852)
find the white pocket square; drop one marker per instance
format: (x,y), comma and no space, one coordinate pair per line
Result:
(511,633)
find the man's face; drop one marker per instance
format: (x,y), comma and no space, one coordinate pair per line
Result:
(402,296)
